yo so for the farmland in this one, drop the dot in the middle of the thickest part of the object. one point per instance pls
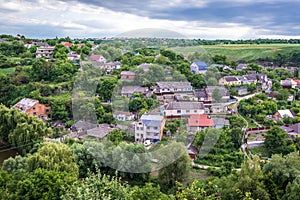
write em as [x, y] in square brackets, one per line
[240, 52]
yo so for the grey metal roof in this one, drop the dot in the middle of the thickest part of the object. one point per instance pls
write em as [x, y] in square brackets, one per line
[178, 85]
[222, 90]
[184, 105]
[25, 104]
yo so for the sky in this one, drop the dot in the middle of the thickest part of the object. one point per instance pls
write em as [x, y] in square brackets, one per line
[204, 19]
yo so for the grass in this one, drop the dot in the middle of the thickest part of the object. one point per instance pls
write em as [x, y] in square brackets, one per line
[196, 174]
[7, 70]
[260, 151]
[243, 52]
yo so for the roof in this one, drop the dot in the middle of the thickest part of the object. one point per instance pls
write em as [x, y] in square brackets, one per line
[200, 94]
[84, 125]
[222, 91]
[122, 113]
[296, 80]
[200, 120]
[201, 65]
[152, 120]
[100, 131]
[295, 128]
[177, 85]
[145, 66]
[191, 149]
[221, 121]
[95, 57]
[25, 104]
[127, 73]
[251, 77]
[231, 78]
[48, 48]
[242, 66]
[240, 89]
[131, 89]
[184, 105]
[285, 113]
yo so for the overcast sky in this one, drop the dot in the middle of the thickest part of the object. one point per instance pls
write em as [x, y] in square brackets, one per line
[207, 19]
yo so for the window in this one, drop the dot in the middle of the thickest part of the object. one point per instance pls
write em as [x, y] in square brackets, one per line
[137, 128]
[142, 128]
[33, 108]
[187, 111]
[47, 110]
[155, 128]
[34, 113]
[195, 111]
[178, 111]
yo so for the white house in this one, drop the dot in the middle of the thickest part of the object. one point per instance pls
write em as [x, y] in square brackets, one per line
[180, 109]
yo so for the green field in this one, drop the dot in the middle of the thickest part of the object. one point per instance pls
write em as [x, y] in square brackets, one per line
[240, 52]
[7, 70]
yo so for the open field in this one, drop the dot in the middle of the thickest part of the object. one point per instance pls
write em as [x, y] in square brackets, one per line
[7, 70]
[242, 52]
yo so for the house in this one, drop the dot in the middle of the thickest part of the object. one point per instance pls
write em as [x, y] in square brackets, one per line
[198, 67]
[192, 151]
[127, 75]
[46, 52]
[281, 114]
[180, 109]
[98, 58]
[201, 95]
[74, 57]
[67, 44]
[292, 130]
[199, 122]
[241, 91]
[230, 80]
[82, 126]
[290, 83]
[185, 97]
[222, 92]
[219, 123]
[101, 131]
[123, 116]
[129, 90]
[218, 108]
[248, 79]
[173, 87]
[149, 127]
[33, 108]
[241, 66]
[144, 66]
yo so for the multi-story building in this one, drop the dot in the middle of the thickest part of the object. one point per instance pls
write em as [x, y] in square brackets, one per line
[149, 127]
[46, 52]
[33, 108]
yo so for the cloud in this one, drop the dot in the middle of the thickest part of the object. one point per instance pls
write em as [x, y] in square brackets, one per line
[210, 19]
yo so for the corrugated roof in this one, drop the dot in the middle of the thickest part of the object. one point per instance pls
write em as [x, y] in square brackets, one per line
[25, 104]
[184, 105]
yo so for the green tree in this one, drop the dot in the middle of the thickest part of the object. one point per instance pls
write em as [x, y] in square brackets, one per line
[116, 136]
[276, 141]
[97, 186]
[54, 156]
[13, 164]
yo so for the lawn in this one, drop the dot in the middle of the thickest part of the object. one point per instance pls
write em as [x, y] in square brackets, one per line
[244, 52]
[7, 70]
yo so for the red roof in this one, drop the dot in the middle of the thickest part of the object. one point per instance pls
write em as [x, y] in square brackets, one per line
[95, 57]
[200, 120]
[296, 80]
[66, 44]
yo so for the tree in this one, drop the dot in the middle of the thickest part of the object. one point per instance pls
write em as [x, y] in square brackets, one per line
[97, 186]
[176, 170]
[148, 192]
[276, 141]
[292, 190]
[216, 96]
[13, 164]
[59, 110]
[53, 156]
[283, 94]
[251, 87]
[197, 81]
[106, 88]
[116, 136]
[280, 171]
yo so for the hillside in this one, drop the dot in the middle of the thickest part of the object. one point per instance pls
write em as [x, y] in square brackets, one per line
[240, 52]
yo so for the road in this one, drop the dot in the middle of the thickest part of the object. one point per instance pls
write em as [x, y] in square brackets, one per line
[235, 107]
[205, 167]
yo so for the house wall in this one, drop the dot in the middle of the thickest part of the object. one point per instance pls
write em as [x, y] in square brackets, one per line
[143, 132]
[128, 77]
[39, 110]
[169, 113]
